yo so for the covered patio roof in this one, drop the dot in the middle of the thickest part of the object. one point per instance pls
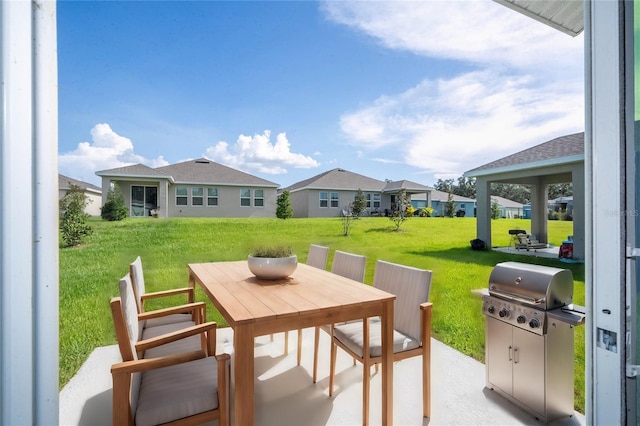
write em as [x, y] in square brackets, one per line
[559, 160]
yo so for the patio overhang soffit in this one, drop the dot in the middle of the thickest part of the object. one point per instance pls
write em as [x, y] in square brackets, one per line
[564, 15]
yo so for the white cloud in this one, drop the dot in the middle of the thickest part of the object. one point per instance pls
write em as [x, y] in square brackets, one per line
[450, 126]
[525, 85]
[257, 154]
[478, 31]
[107, 150]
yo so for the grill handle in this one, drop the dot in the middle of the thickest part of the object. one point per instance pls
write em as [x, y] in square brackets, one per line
[518, 298]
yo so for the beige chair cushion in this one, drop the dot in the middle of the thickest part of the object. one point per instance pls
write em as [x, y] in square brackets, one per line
[351, 335]
[169, 319]
[178, 391]
[188, 344]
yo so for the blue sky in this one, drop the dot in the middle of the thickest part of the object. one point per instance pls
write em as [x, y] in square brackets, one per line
[287, 90]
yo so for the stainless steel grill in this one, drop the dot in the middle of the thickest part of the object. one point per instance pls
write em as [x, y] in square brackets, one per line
[529, 351]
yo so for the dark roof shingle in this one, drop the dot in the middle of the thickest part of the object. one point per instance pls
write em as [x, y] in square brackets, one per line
[564, 146]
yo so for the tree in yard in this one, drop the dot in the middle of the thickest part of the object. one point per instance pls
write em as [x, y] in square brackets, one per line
[73, 221]
[284, 210]
[399, 210]
[495, 209]
[114, 208]
[450, 206]
[359, 204]
[347, 216]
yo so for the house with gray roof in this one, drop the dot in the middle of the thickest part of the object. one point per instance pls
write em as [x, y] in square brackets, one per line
[195, 188]
[92, 193]
[463, 206]
[331, 192]
[559, 160]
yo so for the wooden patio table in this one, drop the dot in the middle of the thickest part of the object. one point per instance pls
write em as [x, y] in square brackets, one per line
[309, 297]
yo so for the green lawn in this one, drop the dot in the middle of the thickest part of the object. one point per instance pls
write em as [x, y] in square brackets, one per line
[89, 274]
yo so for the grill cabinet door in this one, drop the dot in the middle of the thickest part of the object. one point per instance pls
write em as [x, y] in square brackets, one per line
[529, 369]
[499, 356]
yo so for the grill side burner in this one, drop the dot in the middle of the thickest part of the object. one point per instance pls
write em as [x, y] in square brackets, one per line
[529, 353]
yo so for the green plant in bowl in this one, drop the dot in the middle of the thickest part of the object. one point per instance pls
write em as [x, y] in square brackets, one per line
[272, 262]
[272, 251]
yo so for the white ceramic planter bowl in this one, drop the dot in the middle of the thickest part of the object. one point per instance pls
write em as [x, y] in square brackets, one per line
[273, 268]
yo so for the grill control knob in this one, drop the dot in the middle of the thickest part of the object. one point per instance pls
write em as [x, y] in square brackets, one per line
[534, 323]
[521, 319]
[504, 313]
[491, 309]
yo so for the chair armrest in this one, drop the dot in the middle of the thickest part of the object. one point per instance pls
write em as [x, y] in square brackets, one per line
[182, 309]
[167, 293]
[208, 328]
[426, 305]
[146, 364]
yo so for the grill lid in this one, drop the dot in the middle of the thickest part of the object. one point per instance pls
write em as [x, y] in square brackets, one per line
[541, 287]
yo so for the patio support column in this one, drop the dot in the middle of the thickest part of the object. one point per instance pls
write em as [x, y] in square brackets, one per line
[483, 221]
[577, 176]
[28, 214]
[539, 211]
[163, 198]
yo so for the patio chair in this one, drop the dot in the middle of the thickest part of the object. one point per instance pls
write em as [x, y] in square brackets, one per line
[514, 236]
[350, 266]
[412, 329]
[139, 325]
[317, 258]
[526, 242]
[137, 278]
[190, 386]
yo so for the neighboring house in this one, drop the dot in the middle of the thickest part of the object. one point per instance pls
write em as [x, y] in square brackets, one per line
[463, 206]
[195, 188]
[508, 209]
[331, 192]
[561, 204]
[92, 192]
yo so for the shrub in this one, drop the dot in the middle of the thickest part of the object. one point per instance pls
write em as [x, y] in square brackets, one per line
[114, 208]
[359, 204]
[399, 211]
[284, 210]
[73, 222]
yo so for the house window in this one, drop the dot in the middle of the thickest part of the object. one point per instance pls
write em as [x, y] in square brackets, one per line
[197, 196]
[376, 201]
[258, 198]
[334, 199]
[368, 197]
[181, 196]
[324, 199]
[212, 196]
[245, 197]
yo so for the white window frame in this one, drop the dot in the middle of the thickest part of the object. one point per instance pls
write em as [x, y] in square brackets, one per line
[181, 196]
[334, 202]
[194, 196]
[258, 200]
[323, 196]
[212, 200]
[244, 197]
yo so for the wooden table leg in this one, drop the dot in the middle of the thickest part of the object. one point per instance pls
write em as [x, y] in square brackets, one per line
[387, 363]
[192, 284]
[243, 374]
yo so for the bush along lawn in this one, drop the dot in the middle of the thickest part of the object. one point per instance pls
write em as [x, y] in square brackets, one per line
[89, 273]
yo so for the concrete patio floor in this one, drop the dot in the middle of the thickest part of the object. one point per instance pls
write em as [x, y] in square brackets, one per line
[285, 394]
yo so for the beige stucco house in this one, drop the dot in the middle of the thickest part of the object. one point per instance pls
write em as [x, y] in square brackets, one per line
[92, 192]
[331, 192]
[195, 188]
